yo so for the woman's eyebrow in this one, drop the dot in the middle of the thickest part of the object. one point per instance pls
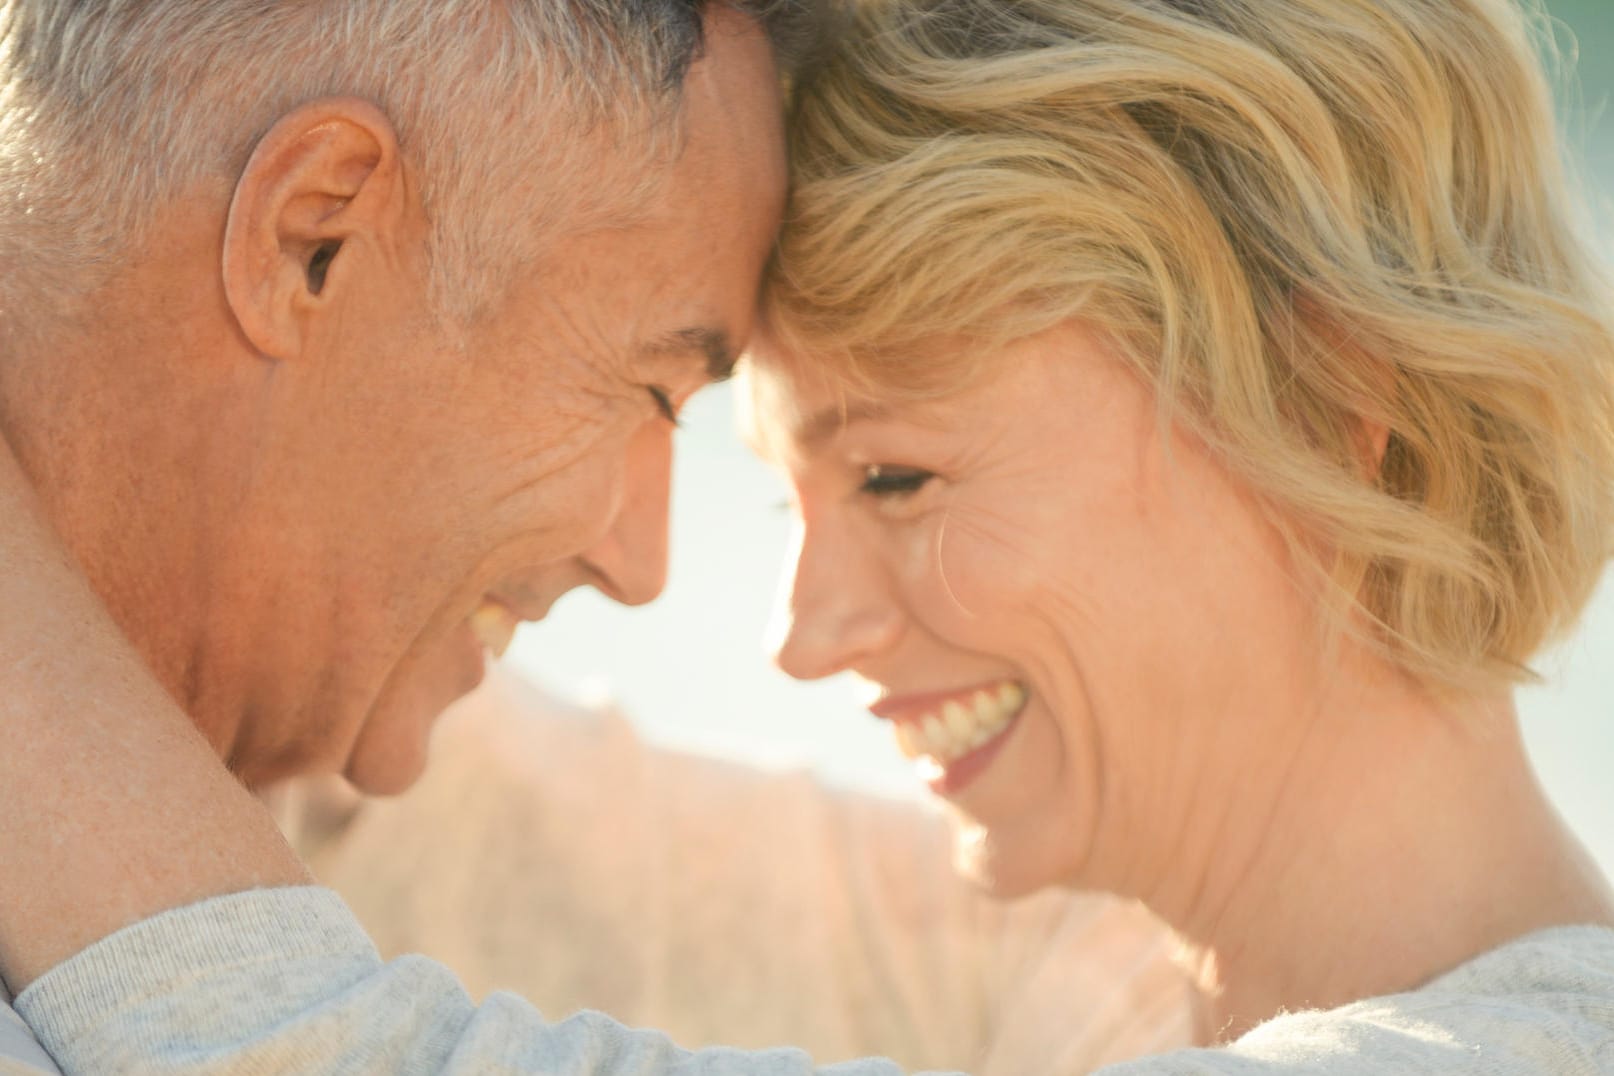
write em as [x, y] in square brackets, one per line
[811, 433]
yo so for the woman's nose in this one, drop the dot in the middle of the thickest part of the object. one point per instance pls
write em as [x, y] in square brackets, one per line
[835, 607]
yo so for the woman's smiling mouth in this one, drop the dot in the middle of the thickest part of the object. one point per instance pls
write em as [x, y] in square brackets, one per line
[951, 736]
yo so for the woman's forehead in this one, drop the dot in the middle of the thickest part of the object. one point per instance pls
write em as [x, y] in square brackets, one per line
[785, 404]
[793, 407]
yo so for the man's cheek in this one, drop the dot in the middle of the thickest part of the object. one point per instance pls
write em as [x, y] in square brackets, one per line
[563, 505]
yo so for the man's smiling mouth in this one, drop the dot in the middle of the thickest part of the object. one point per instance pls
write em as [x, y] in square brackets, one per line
[494, 625]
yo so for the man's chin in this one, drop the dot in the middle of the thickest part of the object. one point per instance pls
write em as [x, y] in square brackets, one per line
[391, 777]
[393, 746]
[389, 752]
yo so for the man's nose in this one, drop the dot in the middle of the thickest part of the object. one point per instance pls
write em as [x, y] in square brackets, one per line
[835, 606]
[629, 564]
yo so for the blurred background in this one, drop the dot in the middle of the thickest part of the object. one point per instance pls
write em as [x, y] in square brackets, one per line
[690, 670]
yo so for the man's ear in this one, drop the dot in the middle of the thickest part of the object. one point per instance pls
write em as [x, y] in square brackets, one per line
[324, 179]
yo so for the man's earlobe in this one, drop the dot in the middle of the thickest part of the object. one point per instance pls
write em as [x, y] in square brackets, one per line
[326, 176]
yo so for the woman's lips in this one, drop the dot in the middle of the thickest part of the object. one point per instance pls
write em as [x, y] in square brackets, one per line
[951, 736]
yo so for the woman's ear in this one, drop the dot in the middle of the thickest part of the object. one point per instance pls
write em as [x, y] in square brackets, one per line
[1375, 441]
[324, 179]
[1366, 377]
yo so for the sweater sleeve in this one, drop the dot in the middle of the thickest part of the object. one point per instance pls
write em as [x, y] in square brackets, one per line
[729, 904]
[20, 1052]
[285, 980]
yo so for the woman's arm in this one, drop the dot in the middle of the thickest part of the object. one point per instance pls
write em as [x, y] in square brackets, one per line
[118, 809]
[285, 980]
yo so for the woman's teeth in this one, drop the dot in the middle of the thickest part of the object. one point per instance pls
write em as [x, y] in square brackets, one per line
[495, 625]
[960, 726]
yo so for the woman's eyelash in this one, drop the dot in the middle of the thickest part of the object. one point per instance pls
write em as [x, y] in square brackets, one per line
[881, 481]
[664, 404]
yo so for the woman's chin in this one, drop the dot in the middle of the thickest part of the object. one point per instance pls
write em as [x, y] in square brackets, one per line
[1000, 866]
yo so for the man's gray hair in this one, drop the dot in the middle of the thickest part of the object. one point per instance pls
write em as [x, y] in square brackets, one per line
[112, 108]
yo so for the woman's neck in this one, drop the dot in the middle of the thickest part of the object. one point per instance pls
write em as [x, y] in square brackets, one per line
[1407, 837]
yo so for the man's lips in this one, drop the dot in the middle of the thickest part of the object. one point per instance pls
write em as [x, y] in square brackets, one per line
[495, 620]
[526, 605]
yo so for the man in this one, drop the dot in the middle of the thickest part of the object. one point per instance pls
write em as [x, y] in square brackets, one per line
[353, 334]
[339, 337]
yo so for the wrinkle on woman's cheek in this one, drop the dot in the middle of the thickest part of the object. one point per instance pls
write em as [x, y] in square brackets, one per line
[978, 556]
[916, 562]
[992, 567]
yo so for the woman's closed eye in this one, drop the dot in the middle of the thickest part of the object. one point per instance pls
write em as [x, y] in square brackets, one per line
[880, 480]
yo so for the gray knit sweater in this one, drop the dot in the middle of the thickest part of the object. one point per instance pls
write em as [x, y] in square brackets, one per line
[285, 980]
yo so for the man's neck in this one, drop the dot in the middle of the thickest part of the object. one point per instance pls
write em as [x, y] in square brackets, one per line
[79, 417]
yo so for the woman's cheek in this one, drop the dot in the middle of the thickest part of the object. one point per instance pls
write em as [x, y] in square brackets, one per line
[971, 566]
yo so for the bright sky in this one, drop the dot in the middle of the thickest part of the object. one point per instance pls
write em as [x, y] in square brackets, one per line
[690, 670]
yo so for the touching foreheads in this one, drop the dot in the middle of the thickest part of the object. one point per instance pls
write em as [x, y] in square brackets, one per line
[110, 109]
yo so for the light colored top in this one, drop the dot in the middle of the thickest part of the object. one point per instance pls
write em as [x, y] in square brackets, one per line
[550, 852]
[285, 980]
[20, 1052]
[1540, 1006]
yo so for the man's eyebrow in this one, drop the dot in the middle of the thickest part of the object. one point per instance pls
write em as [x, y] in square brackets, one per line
[709, 343]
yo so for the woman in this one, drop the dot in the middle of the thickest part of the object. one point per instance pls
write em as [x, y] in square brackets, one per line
[1198, 412]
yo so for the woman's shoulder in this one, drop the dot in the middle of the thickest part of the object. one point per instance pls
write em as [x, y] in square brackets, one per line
[1563, 962]
[1540, 1004]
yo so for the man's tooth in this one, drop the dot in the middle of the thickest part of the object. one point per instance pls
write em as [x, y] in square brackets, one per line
[485, 622]
[494, 628]
[936, 737]
[982, 734]
[958, 723]
[509, 635]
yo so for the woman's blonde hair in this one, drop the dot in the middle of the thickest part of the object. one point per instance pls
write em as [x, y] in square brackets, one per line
[1300, 220]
